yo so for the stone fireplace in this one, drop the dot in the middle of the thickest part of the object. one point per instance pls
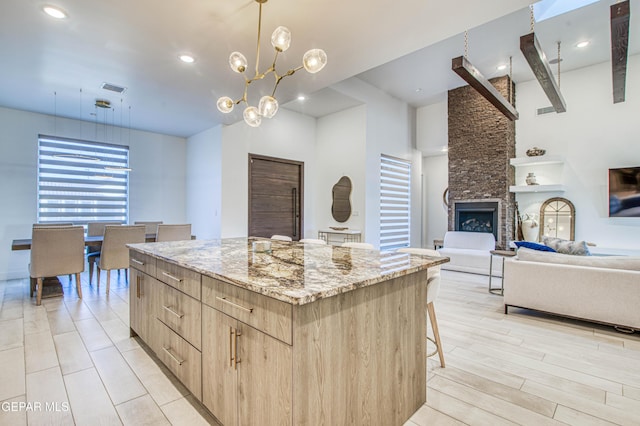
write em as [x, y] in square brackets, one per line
[481, 142]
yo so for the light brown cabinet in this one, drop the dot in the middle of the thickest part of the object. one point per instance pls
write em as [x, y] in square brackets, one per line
[141, 304]
[248, 374]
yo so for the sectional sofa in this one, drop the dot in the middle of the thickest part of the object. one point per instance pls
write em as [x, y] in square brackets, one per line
[603, 289]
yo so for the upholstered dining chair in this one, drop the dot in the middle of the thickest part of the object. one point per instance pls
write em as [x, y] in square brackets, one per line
[150, 227]
[354, 244]
[55, 250]
[313, 241]
[93, 230]
[50, 224]
[114, 253]
[281, 238]
[173, 232]
[433, 285]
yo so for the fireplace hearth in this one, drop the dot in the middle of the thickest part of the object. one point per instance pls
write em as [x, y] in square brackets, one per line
[477, 217]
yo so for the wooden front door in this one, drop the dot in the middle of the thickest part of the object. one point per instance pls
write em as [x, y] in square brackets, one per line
[275, 197]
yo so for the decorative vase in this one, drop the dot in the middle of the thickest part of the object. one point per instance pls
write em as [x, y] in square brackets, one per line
[530, 228]
[531, 179]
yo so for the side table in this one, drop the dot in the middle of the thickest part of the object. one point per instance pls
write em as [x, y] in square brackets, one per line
[438, 243]
[503, 254]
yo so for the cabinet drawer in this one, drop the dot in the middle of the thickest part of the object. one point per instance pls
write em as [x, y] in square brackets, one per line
[269, 315]
[142, 262]
[176, 276]
[183, 360]
[181, 313]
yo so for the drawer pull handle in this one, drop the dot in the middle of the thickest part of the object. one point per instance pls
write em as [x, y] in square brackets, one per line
[173, 357]
[235, 305]
[168, 308]
[166, 274]
[137, 262]
[231, 335]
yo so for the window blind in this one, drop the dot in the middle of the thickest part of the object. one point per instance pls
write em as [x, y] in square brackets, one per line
[81, 181]
[395, 202]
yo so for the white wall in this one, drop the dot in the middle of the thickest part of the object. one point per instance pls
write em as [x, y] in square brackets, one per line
[340, 151]
[436, 177]
[204, 183]
[390, 127]
[594, 135]
[289, 135]
[156, 184]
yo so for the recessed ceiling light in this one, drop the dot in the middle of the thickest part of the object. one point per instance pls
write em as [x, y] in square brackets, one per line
[582, 44]
[186, 58]
[502, 67]
[301, 98]
[54, 12]
[419, 89]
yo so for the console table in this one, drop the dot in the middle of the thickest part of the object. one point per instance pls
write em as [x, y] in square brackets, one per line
[343, 235]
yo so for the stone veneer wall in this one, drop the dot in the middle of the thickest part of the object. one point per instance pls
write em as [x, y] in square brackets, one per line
[481, 142]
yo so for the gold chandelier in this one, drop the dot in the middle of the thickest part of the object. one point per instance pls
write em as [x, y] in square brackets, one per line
[313, 61]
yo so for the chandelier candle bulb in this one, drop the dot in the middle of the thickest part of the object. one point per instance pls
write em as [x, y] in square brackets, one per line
[314, 60]
[237, 62]
[252, 116]
[281, 39]
[268, 106]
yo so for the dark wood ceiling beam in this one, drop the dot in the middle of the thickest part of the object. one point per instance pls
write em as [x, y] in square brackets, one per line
[620, 13]
[540, 66]
[471, 75]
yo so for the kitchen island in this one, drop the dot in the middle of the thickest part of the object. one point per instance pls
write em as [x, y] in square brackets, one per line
[303, 334]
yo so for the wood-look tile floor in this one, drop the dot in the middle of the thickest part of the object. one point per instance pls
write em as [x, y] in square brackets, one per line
[71, 361]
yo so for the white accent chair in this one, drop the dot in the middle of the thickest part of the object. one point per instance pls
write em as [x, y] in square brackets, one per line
[433, 286]
[352, 244]
[114, 253]
[55, 250]
[281, 238]
[173, 232]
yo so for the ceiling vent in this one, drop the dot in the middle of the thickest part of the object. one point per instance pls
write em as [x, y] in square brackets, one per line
[545, 110]
[113, 87]
[103, 103]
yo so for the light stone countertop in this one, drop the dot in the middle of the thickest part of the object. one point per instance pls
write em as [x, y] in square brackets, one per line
[295, 273]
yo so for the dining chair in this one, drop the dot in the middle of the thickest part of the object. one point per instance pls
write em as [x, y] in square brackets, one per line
[114, 253]
[433, 285]
[173, 232]
[313, 241]
[95, 229]
[353, 244]
[281, 238]
[50, 224]
[150, 227]
[55, 250]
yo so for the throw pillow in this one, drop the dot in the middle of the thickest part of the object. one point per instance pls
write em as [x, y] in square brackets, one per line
[576, 248]
[534, 246]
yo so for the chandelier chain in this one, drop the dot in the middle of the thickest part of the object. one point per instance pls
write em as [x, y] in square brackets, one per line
[558, 65]
[532, 17]
[466, 44]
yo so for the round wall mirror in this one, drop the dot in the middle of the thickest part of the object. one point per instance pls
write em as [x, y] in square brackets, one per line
[557, 219]
[341, 200]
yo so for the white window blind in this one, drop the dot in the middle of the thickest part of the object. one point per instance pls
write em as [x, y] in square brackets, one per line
[395, 202]
[80, 181]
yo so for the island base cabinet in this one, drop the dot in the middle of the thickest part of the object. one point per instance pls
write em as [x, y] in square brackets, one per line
[182, 359]
[248, 376]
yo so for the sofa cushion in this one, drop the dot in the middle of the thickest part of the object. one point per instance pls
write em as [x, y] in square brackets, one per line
[576, 248]
[469, 240]
[533, 246]
[630, 263]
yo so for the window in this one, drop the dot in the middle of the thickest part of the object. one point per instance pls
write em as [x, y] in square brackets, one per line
[395, 202]
[81, 181]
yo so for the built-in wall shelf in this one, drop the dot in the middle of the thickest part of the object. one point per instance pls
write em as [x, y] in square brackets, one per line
[541, 160]
[537, 188]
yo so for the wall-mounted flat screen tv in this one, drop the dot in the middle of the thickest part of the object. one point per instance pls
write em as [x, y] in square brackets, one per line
[624, 192]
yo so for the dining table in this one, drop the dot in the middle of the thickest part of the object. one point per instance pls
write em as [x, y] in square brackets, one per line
[89, 241]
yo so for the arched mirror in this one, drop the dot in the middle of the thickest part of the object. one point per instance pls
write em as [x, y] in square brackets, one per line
[557, 219]
[341, 200]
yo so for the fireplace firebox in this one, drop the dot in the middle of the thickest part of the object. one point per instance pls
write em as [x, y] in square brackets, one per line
[477, 217]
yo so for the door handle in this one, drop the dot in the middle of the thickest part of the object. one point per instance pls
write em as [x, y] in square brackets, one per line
[295, 211]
